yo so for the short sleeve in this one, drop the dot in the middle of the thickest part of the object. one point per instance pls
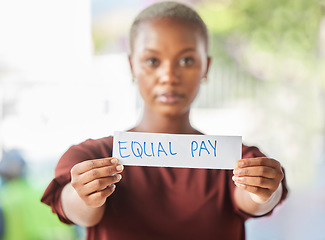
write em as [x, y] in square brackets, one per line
[252, 152]
[90, 149]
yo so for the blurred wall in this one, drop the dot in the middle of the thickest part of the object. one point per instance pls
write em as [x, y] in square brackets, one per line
[64, 77]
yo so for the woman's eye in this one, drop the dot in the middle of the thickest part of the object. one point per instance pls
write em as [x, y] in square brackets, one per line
[152, 62]
[186, 62]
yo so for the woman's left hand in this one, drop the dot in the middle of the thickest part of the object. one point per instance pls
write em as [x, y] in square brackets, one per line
[259, 176]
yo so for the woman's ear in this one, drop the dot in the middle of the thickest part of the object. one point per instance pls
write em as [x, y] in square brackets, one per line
[131, 67]
[130, 62]
[208, 66]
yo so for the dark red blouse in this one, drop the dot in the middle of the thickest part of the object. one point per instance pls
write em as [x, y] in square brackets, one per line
[159, 202]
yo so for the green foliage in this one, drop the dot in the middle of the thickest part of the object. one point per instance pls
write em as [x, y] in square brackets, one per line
[279, 44]
[291, 26]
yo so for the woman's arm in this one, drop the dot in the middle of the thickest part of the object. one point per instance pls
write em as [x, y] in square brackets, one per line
[258, 182]
[83, 200]
[77, 211]
[251, 204]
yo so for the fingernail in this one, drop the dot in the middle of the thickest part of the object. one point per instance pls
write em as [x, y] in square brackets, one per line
[114, 161]
[112, 186]
[118, 176]
[119, 167]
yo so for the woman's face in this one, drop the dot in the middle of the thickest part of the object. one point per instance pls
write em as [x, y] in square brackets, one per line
[168, 61]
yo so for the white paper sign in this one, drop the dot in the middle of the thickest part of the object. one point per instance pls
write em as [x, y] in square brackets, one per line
[177, 150]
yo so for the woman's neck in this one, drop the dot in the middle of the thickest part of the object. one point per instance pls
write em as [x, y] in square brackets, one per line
[155, 123]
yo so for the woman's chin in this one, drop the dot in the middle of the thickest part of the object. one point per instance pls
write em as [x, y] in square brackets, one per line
[172, 110]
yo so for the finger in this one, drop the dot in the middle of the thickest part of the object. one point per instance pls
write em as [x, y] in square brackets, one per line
[259, 171]
[100, 184]
[98, 198]
[85, 166]
[255, 182]
[98, 173]
[261, 192]
[263, 161]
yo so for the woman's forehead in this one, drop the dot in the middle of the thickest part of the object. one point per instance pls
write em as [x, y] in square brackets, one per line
[159, 31]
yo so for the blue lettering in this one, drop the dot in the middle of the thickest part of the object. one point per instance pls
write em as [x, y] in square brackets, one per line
[137, 148]
[193, 149]
[170, 149]
[203, 147]
[119, 148]
[161, 149]
[153, 153]
[215, 147]
[144, 149]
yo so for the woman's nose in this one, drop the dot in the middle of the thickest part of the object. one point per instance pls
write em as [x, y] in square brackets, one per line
[169, 74]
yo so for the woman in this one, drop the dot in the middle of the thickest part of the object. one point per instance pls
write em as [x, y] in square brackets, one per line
[169, 60]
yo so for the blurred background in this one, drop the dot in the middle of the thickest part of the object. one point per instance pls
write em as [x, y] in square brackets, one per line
[64, 78]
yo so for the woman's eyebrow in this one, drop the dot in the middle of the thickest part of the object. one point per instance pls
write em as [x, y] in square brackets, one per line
[151, 50]
[190, 49]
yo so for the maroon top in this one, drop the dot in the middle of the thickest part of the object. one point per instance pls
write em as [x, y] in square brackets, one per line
[158, 202]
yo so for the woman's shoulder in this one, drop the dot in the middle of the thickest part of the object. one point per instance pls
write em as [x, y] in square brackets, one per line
[91, 149]
[93, 143]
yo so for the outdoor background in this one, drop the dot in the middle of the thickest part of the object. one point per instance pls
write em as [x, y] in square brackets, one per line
[64, 78]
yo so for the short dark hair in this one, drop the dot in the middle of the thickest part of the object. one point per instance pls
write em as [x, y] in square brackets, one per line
[167, 9]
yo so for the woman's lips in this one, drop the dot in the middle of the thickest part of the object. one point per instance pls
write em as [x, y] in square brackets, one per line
[169, 98]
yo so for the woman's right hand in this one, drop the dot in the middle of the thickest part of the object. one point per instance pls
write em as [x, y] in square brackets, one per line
[94, 180]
